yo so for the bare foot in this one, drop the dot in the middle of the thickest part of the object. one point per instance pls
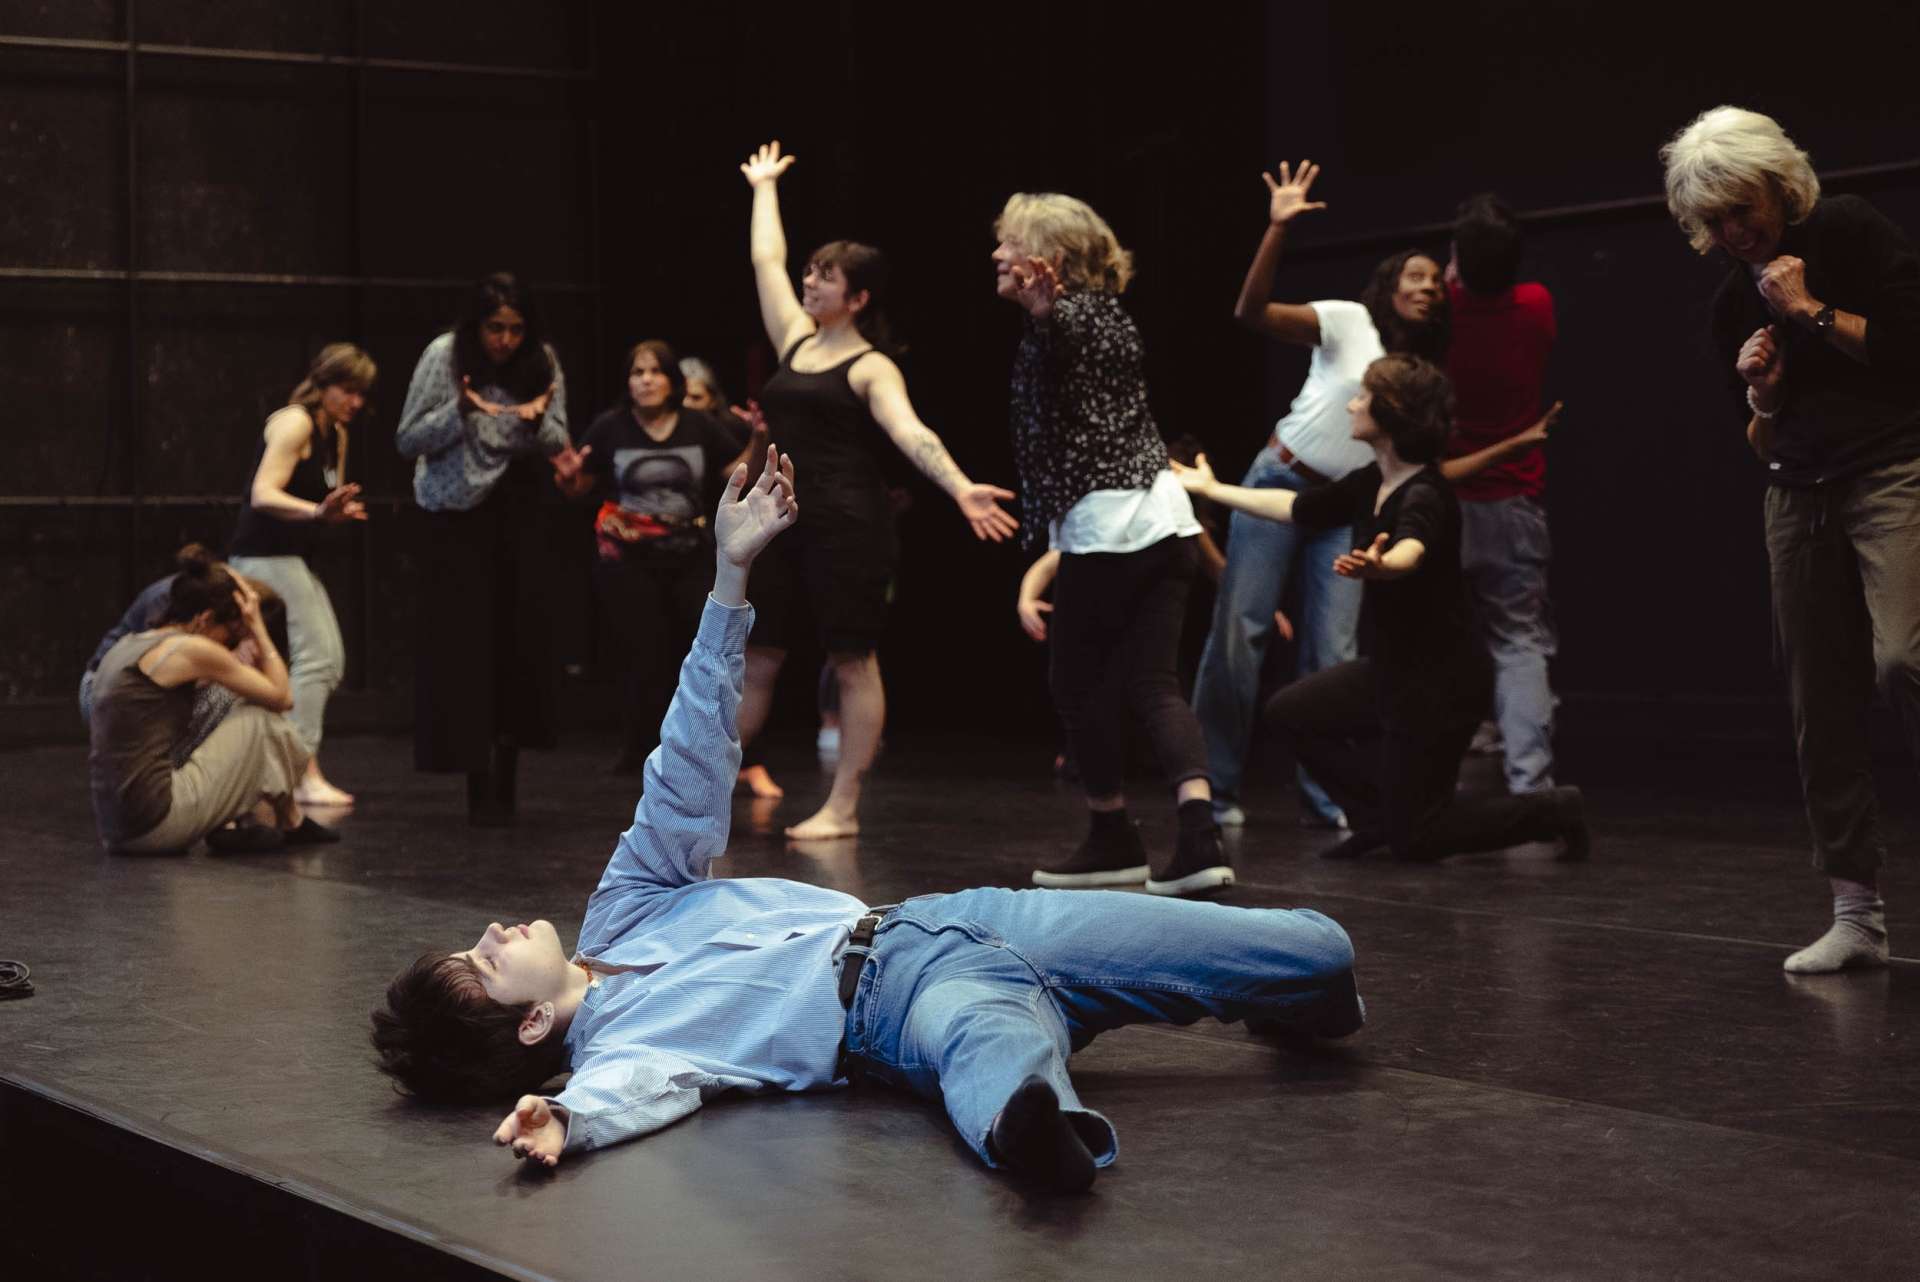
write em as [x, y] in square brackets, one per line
[825, 826]
[760, 783]
[314, 790]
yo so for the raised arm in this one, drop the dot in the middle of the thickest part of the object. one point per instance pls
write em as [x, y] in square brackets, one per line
[780, 309]
[1255, 308]
[878, 382]
[1272, 505]
[288, 432]
[681, 823]
[1457, 469]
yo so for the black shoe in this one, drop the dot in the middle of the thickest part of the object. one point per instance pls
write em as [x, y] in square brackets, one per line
[310, 833]
[1353, 845]
[1570, 814]
[1110, 856]
[245, 839]
[1198, 864]
[1034, 1140]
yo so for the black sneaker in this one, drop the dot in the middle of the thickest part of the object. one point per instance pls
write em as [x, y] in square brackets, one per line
[1034, 1140]
[245, 839]
[1117, 861]
[1198, 865]
[1570, 811]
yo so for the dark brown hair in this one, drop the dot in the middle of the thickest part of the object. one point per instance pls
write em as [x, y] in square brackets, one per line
[1428, 338]
[203, 583]
[443, 1040]
[529, 371]
[1412, 403]
[663, 353]
[861, 267]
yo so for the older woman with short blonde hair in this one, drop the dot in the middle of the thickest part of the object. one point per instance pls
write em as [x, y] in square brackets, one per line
[1095, 479]
[1816, 325]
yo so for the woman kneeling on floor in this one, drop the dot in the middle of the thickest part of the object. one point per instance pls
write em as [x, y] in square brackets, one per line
[236, 788]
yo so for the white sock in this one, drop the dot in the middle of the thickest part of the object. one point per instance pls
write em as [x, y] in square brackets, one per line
[1858, 936]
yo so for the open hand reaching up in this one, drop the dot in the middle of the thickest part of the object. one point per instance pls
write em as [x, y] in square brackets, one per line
[534, 1131]
[750, 516]
[766, 164]
[1287, 199]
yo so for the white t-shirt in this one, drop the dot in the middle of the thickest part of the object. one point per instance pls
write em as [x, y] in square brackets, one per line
[1317, 427]
[1127, 520]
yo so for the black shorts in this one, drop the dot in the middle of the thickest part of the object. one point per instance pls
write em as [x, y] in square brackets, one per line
[831, 565]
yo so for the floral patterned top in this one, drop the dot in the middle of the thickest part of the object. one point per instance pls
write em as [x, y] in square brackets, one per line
[462, 456]
[1079, 415]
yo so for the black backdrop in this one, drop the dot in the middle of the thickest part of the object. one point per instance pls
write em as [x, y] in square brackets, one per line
[615, 174]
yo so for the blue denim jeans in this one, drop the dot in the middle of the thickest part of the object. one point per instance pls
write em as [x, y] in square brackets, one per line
[967, 995]
[1261, 555]
[1504, 551]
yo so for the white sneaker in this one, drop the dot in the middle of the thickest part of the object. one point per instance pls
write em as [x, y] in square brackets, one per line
[1228, 814]
[827, 742]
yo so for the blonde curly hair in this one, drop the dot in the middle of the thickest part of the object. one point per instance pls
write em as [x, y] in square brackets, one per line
[1722, 158]
[1049, 225]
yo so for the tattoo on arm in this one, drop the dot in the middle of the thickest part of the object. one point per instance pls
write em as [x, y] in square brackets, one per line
[925, 451]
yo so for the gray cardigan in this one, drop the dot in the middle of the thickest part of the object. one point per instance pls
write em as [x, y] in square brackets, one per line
[462, 456]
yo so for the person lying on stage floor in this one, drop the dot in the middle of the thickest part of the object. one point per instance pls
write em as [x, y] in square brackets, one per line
[685, 985]
[1384, 734]
[235, 789]
[211, 703]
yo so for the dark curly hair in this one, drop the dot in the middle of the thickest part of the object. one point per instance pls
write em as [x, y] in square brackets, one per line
[1412, 403]
[443, 1040]
[1429, 338]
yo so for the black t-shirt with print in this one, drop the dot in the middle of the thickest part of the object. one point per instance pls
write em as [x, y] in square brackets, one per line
[676, 482]
[1415, 625]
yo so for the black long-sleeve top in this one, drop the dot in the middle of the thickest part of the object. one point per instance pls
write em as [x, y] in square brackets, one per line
[1840, 417]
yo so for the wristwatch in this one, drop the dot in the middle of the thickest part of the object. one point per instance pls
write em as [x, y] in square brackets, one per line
[1823, 319]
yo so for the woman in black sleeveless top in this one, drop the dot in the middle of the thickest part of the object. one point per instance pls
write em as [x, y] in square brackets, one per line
[833, 399]
[299, 483]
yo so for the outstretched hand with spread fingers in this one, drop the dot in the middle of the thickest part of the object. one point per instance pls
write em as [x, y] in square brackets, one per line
[1196, 478]
[1363, 563]
[341, 504]
[980, 504]
[766, 164]
[534, 1131]
[1287, 198]
[750, 516]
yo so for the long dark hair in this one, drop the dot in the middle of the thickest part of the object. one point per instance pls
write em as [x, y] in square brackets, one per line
[530, 372]
[1427, 338]
[203, 583]
[861, 267]
[663, 354]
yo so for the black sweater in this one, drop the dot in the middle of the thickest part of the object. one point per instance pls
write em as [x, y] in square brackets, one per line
[1840, 417]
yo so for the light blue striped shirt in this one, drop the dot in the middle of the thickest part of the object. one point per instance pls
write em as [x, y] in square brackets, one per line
[706, 984]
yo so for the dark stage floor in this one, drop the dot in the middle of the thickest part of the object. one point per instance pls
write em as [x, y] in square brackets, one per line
[1592, 1071]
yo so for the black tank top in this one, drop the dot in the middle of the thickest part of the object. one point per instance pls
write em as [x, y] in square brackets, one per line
[263, 534]
[835, 443]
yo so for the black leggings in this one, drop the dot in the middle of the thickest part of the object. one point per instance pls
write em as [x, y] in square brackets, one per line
[1116, 648]
[1391, 757]
[653, 604]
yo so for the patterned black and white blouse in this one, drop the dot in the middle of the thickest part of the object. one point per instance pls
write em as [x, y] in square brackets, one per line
[1080, 417]
[462, 456]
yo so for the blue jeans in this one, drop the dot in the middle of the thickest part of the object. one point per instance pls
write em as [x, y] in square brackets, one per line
[967, 995]
[1261, 555]
[1504, 551]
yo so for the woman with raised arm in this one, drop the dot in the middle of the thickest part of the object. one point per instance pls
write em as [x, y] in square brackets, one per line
[300, 484]
[144, 694]
[1094, 472]
[833, 401]
[486, 420]
[1384, 733]
[1402, 309]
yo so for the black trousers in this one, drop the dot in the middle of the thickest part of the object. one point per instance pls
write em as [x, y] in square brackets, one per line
[652, 605]
[483, 639]
[1116, 651]
[1389, 753]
